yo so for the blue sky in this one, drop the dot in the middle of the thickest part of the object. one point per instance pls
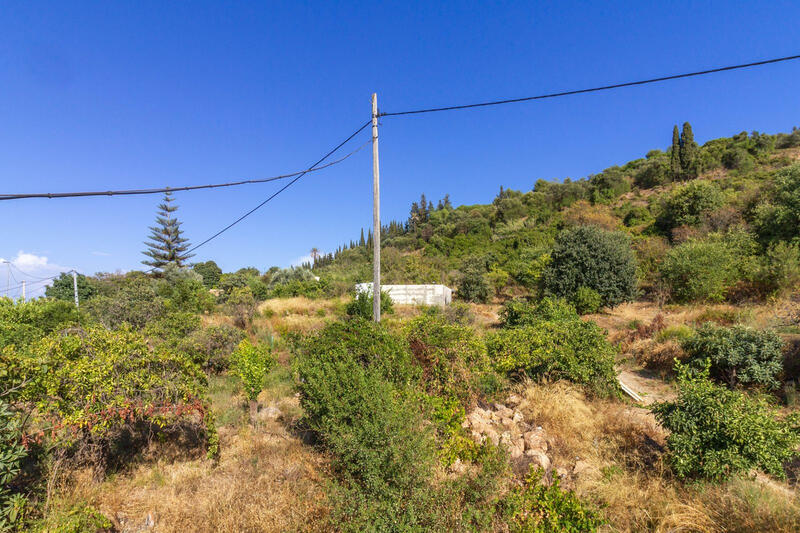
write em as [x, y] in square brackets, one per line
[146, 94]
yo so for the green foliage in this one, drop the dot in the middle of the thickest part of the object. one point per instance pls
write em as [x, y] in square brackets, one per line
[473, 286]
[699, 271]
[595, 259]
[779, 270]
[241, 305]
[452, 356]
[362, 304]
[210, 272]
[686, 205]
[608, 185]
[587, 300]
[12, 452]
[778, 216]
[130, 299]
[166, 244]
[183, 289]
[75, 518]
[97, 388]
[353, 381]
[23, 323]
[252, 363]
[536, 507]
[688, 152]
[210, 347]
[521, 313]
[558, 346]
[738, 355]
[717, 432]
[63, 288]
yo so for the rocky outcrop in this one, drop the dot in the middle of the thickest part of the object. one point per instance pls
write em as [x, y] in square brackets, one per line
[503, 425]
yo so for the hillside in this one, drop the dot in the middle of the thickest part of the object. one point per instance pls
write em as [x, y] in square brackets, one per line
[188, 399]
[728, 185]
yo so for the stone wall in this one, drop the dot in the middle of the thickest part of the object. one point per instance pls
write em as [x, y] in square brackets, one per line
[413, 294]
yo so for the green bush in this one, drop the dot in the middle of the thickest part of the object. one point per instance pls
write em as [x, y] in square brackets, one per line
[541, 508]
[211, 347]
[686, 205]
[716, 432]
[241, 305]
[473, 285]
[586, 300]
[778, 217]
[521, 313]
[362, 303]
[252, 363]
[593, 258]
[738, 355]
[452, 357]
[779, 270]
[210, 272]
[183, 290]
[23, 323]
[12, 452]
[63, 288]
[129, 300]
[699, 271]
[353, 385]
[561, 348]
[99, 389]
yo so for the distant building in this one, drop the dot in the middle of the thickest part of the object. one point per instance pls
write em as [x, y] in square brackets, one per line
[413, 294]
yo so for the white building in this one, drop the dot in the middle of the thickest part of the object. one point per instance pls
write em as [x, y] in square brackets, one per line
[413, 294]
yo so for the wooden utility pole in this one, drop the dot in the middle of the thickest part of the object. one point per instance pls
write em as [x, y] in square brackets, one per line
[376, 216]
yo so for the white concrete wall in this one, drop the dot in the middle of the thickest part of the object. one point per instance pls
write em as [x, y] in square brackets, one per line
[413, 294]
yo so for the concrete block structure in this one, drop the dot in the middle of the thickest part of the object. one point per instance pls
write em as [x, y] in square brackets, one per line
[413, 294]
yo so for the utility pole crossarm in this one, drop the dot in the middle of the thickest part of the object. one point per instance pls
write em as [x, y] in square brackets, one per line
[376, 216]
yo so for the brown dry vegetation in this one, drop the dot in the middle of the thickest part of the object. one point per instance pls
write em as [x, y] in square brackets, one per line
[266, 480]
[612, 454]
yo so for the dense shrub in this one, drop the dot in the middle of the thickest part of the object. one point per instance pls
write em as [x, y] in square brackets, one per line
[63, 288]
[23, 323]
[452, 356]
[779, 270]
[595, 259]
[252, 362]
[738, 355]
[778, 217]
[11, 454]
[547, 508]
[586, 300]
[241, 305]
[352, 381]
[362, 305]
[210, 347]
[698, 271]
[98, 389]
[473, 285]
[716, 432]
[127, 300]
[521, 313]
[552, 342]
[210, 272]
[687, 204]
[183, 290]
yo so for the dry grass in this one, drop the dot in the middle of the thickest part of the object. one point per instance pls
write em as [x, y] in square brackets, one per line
[266, 478]
[618, 452]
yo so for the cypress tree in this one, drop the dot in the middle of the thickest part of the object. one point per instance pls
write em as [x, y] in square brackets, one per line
[675, 155]
[166, 244]
[688, 152]
[362, 242]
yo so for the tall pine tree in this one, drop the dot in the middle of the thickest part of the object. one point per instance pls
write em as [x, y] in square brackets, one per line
[675, 155]
[165, 244]
[688, 152]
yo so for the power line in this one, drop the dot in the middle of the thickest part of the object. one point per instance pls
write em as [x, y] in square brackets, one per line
[169, 189]
[37, 278]
[259, 206]
[593, 89]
